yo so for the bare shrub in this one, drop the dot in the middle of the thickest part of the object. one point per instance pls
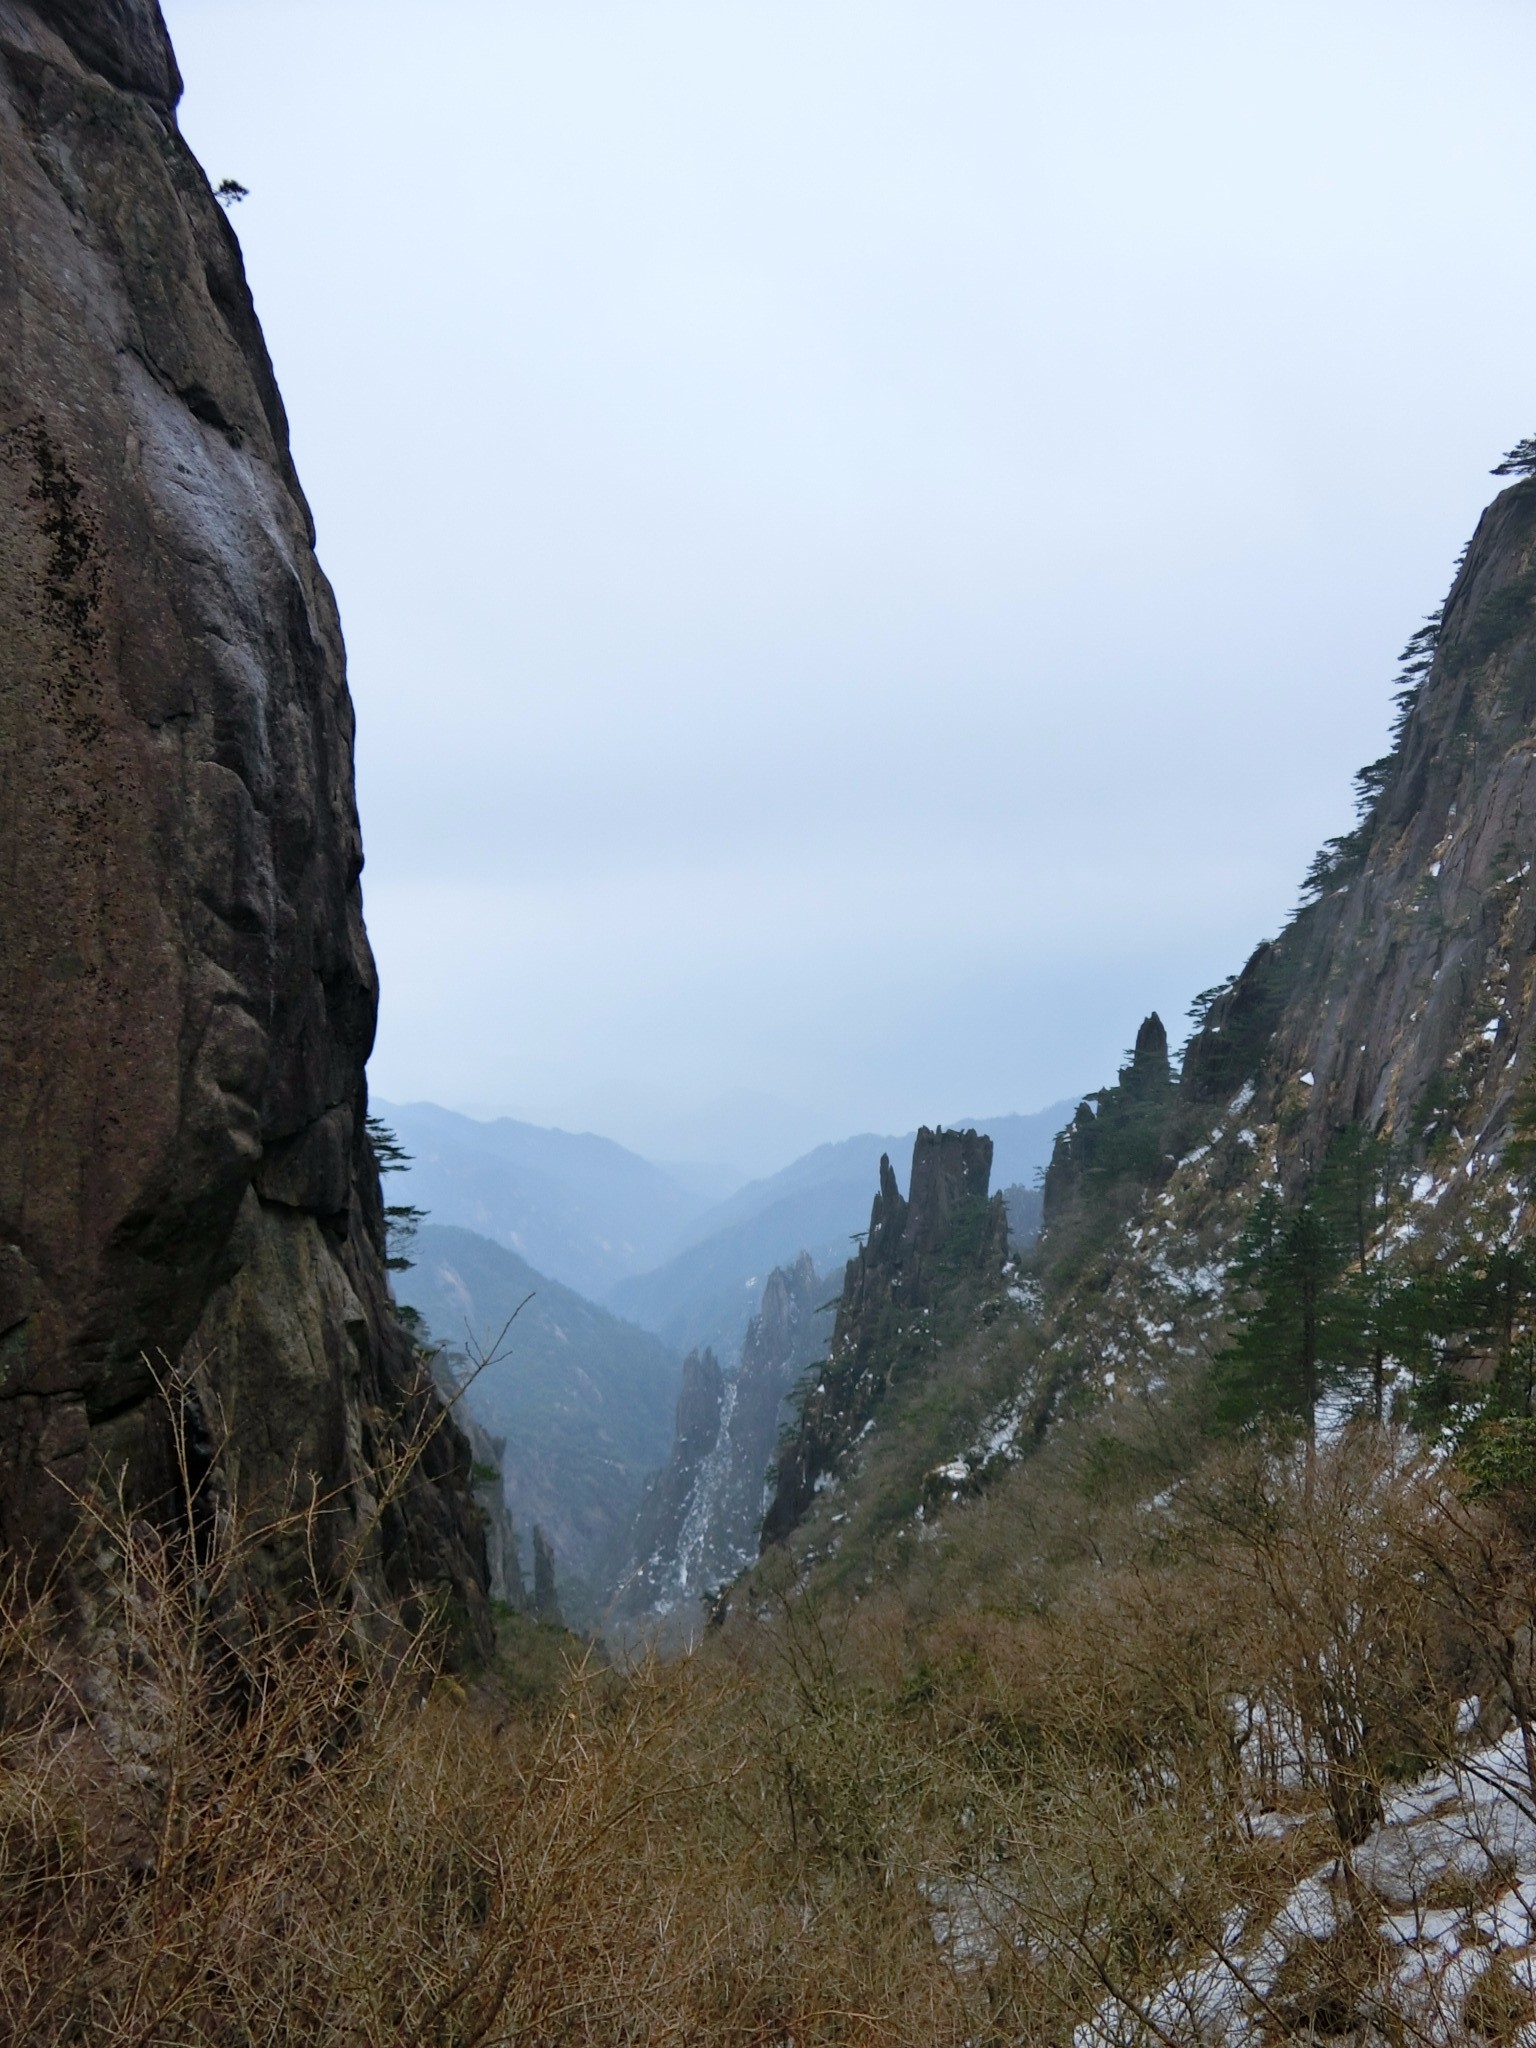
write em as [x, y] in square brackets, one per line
[889, 1821]
[225, 1821]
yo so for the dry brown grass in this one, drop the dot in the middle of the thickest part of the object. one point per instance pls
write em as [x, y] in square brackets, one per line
[226, 1823]
[221, 1822]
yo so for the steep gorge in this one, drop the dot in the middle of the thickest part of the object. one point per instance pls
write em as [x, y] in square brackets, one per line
[700, 1520]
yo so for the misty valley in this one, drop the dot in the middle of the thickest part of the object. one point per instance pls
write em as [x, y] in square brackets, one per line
[1060, 1576]
[583, 1393]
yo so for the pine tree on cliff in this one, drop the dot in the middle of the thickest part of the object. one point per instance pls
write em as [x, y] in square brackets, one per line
[402, 1220]
[1520, 461]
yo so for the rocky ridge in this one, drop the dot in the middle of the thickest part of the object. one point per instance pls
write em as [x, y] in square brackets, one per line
[187, 1000]
[1400, 999]
[948, 1235]
[1395, 1009]
[699, 1524]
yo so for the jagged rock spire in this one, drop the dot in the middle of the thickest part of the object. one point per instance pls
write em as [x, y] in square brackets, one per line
[546, 1597]
[947, 1237]
[699, 1402]
[1151, 1054]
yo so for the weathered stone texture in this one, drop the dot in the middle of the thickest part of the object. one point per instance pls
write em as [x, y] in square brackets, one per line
[947, 1240]
[187, 997]
[699, 1523]
[1404, 995]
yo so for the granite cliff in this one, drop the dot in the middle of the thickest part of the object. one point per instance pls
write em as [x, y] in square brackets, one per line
[698, 1525]
[187, 996]
[946, 1242]
[1399, 1002]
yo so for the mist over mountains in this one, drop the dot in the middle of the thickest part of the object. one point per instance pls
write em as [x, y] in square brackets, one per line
[577, 1207]
[581, 1400]
[614, 1268]
[639, 1238]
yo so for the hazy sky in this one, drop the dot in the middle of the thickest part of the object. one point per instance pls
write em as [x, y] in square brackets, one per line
[872, 537]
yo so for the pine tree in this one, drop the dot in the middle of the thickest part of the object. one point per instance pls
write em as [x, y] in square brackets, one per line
[1355, 1194]
[401, 1219]
[1289, 1263]
[1520, 461]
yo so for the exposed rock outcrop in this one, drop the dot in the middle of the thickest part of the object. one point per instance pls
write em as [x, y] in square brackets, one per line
[1407, 991]
[1401, 998]
[700, 1521]
[789, 1332]
[702, 1405]
[187, 996]
[504, 1560]
[546, 1594]
[948, 1236]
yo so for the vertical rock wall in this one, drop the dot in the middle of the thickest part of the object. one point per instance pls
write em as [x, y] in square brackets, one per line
[946, 1240]
[699, 1523]
[187, 997]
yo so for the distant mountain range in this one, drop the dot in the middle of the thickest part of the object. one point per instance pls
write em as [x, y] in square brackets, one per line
[633, 1235]
[578, 1208]
[584, 1401]
[709, 1290]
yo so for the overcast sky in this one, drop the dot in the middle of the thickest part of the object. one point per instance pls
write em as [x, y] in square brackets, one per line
[872, 537]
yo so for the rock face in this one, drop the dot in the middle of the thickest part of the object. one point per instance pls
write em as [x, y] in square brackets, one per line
[789, 1332]
[662, 1525]
[699, 1524]
[1402, 996]
[1407, 992]
[504, 1562]
[187, 996]
[949, 1234]
[546, 1597]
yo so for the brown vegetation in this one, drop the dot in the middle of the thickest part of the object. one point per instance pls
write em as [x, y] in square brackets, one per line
[221, 1822]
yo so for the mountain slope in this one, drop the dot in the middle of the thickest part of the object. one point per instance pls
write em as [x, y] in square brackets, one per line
[584, 1401]
[1397, 1009]
[1392, 1022]
[577, 1207]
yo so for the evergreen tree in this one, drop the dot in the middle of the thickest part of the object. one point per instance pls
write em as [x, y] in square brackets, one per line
[1491, 1298]
[1467, 1323]
[401, 1219]
[1284, 1351]
[1355, 1195]
[1520, 461]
